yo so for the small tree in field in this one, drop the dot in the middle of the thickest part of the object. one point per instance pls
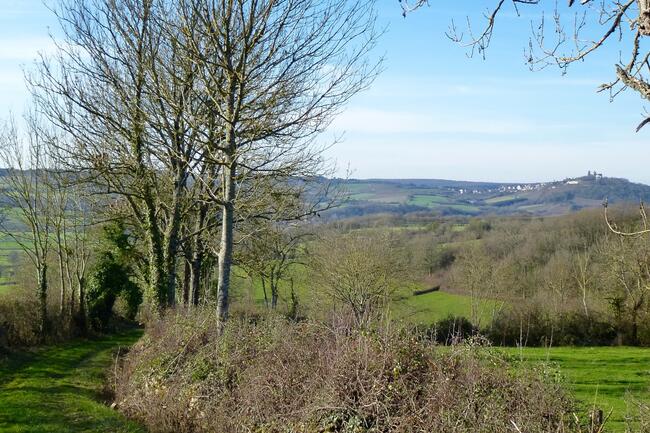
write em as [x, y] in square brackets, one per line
[360, 272]
[269, 254]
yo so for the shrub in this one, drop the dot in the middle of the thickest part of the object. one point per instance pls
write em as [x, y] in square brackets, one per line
[452, 329]
[534, 326]
[638, 419]
[19, 319]
[111, 278]
[272, 375]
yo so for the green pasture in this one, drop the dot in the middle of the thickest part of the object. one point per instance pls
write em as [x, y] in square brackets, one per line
[429, 200]
[466, 208]
[604, 377]
[9, 251]
[500, 199]
[607, 378]
[421, 309]
[533, 207]
[439, 202]
[432, 307]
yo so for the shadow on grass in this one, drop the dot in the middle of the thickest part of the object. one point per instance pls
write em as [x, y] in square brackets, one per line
[59, 389]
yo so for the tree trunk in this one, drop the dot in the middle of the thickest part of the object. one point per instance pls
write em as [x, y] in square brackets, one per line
[157, 281]
[72, 301]
[197, 265]
[274, 292]
[198, 253]
[266, 298]
[171, 258]
[61, 275]
[82, 303]
[187, 280]
[171, 238]
[226, 244]
[42, 297]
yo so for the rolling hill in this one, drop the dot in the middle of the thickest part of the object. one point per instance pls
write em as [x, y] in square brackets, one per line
[449, 197]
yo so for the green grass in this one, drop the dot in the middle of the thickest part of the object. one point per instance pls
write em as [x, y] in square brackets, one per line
[421, 309]
[500, 199]
[599, 376]
[467, 208]
[428, 200]
[431, 307]
[59, 389]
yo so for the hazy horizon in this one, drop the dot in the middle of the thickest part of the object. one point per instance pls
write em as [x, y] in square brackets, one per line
[485, 180]
[433, 113]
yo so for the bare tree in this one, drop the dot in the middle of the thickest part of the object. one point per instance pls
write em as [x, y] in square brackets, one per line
[28, 211]
[361, 272]
[476, 274]
[269, 253]
[273, 74]
[629, 260]
[121, 90]
[583, 275]
[161, 99]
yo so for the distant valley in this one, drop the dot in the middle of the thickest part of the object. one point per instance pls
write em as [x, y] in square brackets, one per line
[449, 197]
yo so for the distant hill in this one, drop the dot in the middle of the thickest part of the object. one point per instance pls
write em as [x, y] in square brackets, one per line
[450, 197]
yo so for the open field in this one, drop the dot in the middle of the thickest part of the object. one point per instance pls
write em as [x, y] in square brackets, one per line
[601, 377]
[429, 200]
[9, 253]
[59, 389]
[431, 307]
[421, 309]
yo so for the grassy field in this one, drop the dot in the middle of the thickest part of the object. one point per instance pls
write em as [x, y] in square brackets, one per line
[431, 307]
[59, 389]
[429, 200]
[9, 253]
[422, 309]
[601, 377]
[500, 199]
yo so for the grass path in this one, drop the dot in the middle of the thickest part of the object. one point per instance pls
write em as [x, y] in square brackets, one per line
[59, 389]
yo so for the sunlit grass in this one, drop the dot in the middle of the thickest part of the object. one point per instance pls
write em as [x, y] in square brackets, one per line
[600, 377]
[59, 389]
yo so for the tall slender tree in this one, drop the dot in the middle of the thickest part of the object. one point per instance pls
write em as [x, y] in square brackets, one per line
[273, 74]
[30, 207]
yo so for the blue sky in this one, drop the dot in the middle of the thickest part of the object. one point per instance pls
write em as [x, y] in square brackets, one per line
[434, 112]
